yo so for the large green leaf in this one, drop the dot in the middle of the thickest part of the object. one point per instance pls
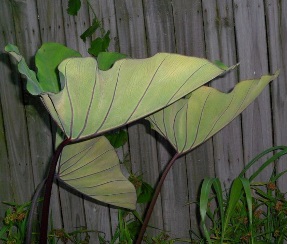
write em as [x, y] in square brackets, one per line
[47, 59]
[94, 101]
[33, 85]
[107, 59]
[192, 120]
[92, 168]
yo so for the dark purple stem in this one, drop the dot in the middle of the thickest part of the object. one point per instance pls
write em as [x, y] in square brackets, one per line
[155, 196]
[47, 194]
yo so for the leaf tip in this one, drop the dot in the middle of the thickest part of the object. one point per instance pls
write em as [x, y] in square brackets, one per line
[220, 65]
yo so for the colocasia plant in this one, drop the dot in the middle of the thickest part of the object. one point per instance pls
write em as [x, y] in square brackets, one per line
[88, 97]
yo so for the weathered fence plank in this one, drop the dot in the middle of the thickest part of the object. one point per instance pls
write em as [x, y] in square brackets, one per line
[52, 30]
[132, 41]
[220, 43]
[277, 42]
[6, 186]
[253, 58]
[189, 32]
[51, 23]
[188, 27]
[38, 121]
[5, 177]
[15, 119]
[105, 12]
[159, 16]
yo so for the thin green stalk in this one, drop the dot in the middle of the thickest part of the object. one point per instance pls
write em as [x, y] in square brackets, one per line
[155, 196]
[95, 16]
[90, 6]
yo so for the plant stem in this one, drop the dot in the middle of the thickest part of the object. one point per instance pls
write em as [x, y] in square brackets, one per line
[47, 194]
[32, 211]
[154, 198]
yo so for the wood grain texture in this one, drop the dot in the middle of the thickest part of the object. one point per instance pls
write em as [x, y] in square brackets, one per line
[6, 186]
[74, 26]
[73, 212]
[252, 54]
[97, 219]
[51, 22]
[52, 30]
[105, 12]
[132, 41]
[14, 116]
[5, 177]
[159, 26]
[188, 27]
[160, 31]
[131, 29]
[38, 120]
[190, 40]
[277, 43]
[220, 43]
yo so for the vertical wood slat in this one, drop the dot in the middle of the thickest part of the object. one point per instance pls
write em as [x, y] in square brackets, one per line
[38, 122]
[190, 40]
[277, 42]
[189, 32]
[174, 194]
[132, 41]
[7, 191]
[252, 54]
[52, 30]
[14, 118]
[105, 12]
[188, 27]
[220, 43]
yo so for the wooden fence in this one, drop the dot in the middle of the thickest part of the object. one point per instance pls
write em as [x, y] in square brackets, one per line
[253, 33]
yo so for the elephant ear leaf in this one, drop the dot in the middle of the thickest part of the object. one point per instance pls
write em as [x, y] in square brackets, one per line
[190, 121]
[94, 101]
[33, 85]
[47, 59]
[92, 168]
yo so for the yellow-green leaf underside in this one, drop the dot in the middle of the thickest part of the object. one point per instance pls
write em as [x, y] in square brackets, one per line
[94, 101]
[192, 120]
[92, 168]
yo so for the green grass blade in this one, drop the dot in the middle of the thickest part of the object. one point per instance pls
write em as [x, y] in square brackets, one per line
[203, 204]
[247, 189]
[219, 197]
[235, 194]
[264, 153]
[276, 177]
[269, 161]
[204, 201]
